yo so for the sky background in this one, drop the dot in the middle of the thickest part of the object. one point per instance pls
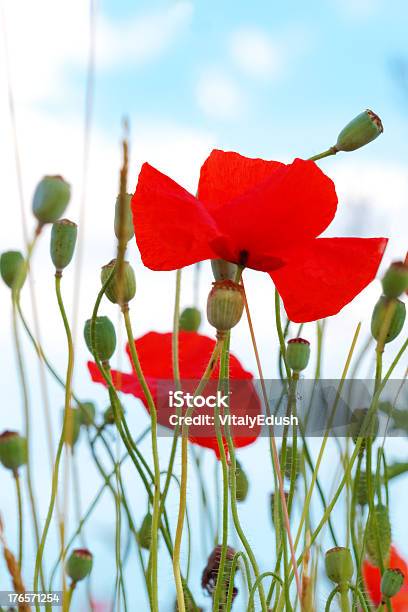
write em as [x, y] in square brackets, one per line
[272, 80]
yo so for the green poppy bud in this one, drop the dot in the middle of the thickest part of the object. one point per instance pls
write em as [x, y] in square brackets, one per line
[119, 290]
[297, 354]
[360, 131]
[13, 450]
[391, 582]
[105, 337]
[87, 412]
[363, 426]
[79, 564]
[289, 461]
[395, 281]
[225, 305]
[223, 270]
[109, 415]
[190, 319]
[12, 267]
[242, 484]
[51, 198]
[145, 532]
[378, 541]
[339, 565]
[63, 240]
[362, 490]
[378, 319]
[73, 427]
[127, 229]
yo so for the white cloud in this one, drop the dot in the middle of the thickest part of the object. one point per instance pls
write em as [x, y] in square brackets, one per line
[218, 95]
[255, 53]
[143, 38]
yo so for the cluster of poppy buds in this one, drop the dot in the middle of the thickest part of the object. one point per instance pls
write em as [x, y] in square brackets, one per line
[390, 311]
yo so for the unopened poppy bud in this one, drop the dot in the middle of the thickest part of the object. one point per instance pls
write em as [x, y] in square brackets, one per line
[122, 285]
[127, 224]
[79, 564]
[109, 415]
[145, 532]
[378, 319]
[190, 319]
[362, 489]
[223, 270]
[391, 582]
[242, 484]
[12, 268]
[378, 535]
[360, 131]
[87, 413]
[289, 462]
[210, 574]
[298, 354]
[13, 450]
[395, 281]
[105, 337]
[363, 425]
[339, 565]
[73, 427]
[225, 305]
[51, 198]
[63, 240]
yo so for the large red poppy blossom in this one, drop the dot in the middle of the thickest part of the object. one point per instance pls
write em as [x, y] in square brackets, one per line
[155, 354]
[261, 214]
[372, 580]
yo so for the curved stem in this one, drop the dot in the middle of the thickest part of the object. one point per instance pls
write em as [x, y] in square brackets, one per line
[183, 481]
[155, 451]
[327, 153]
[330, 599]
[258, 582]
[20, 519]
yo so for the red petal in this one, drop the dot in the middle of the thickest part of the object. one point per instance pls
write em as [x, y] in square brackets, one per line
[326, 274]
[372, 580]
[172, 227]
[225, 175]
[295, 202]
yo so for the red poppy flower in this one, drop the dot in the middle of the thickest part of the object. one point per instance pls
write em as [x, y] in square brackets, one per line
[372, 579]
[155, 354]
[261, 214]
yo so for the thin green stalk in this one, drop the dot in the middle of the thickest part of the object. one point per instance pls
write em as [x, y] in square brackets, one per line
[330, 599]
[327, 153]
[65, 427]
[257, 583]
[184, 475]
[156, 496]
[234, 566]
[20, 519]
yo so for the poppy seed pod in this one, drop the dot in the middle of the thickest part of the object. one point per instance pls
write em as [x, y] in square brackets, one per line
[63, 240]
[378, 319]
[109, 415]
[362, 425]
[105, 337]
[121, 288]
[127, 229]
[223, 270]
[242, 483]
[297, 354]
[13, 450]
[50, 199]
[378, 535]
[339, 565]
[225, 305]
[11, 267]
[190, 319]
[145, 532]
[87, 413]
[392, 581]
[79, 564]
[395, 280]
[360, 131]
